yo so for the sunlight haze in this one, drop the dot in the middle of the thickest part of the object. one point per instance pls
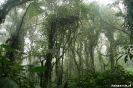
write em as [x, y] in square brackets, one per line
[101, 1]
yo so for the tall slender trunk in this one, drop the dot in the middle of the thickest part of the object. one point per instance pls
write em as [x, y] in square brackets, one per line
[111, 55]
[76, 62]
[92, 57]
[86, 51]
[59, 70]
[49, 60]
[49, 55]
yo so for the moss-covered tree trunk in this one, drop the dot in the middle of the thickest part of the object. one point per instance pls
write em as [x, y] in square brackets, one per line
[110, 37]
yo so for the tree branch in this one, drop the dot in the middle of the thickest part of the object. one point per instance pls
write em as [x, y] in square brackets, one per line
[8, 6]
[114, 26]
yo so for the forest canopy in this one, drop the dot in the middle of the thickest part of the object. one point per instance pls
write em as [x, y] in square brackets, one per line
[66, 44]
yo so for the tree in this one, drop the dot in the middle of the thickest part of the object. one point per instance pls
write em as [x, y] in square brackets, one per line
[129, 17]
[8, 6]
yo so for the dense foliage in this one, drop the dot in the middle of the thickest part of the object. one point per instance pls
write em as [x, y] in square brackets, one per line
[66, 44]
[102, 79]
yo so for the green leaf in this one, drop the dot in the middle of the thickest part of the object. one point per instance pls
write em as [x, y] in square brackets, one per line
[130, 56]
[18, 67]
[41, 3]
[8, 48]
[91, 81]
[6, 61]
[38, 69]
[29, 67]
[34, 10]
[119, 57]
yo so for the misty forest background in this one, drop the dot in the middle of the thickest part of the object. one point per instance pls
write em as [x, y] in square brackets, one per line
[66, 44]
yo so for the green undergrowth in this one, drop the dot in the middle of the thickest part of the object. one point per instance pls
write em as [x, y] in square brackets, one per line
[116, 76]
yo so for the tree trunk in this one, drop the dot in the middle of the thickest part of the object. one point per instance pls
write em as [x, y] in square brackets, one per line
[91, 52]
[110, 37]
[48, 60]
[49, 56]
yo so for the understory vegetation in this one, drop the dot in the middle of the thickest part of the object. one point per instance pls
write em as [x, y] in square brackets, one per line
[66, 44]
